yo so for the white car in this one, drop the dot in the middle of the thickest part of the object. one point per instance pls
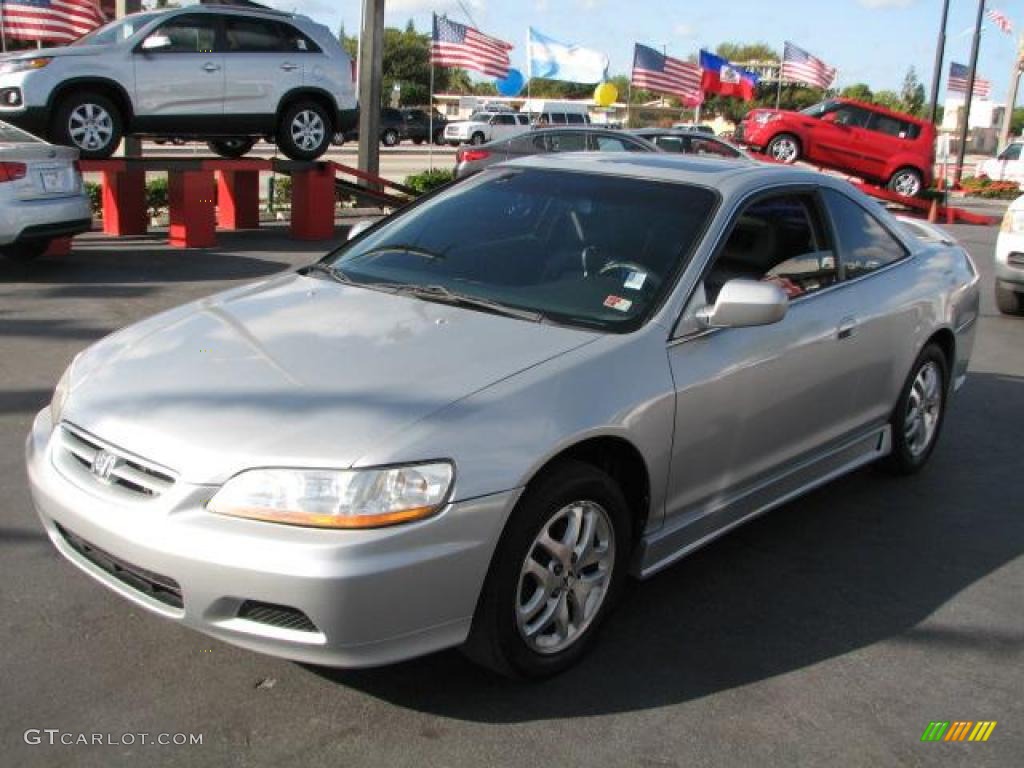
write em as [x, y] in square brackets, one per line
[41, 194]
[1010, 261]
[1006, 166]
[482, 127]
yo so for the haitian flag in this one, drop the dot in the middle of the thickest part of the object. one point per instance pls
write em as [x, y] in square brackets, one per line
[720, 76]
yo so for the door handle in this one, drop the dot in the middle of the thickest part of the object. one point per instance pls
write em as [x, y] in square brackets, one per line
[847, 328]
[211, 67]
[288, 66]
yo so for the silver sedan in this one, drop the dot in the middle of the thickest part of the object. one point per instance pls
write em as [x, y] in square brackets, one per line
[469, 424]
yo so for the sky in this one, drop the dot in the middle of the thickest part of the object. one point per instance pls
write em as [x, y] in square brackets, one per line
[871, 41]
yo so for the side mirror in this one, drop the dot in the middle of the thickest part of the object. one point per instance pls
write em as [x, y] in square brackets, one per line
[743, 303]
[156, 42]
[359, 227]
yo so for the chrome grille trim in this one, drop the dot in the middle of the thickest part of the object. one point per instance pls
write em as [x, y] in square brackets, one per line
[131, 477]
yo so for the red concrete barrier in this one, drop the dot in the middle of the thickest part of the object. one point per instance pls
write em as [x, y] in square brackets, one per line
[238, 199]
[192, 199]
[313, 203]
[124, 200]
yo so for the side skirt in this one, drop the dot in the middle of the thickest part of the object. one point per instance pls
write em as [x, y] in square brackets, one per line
[674, 543]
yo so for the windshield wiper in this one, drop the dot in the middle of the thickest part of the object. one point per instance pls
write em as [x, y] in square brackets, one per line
[403, 248]
[444, 295]
[340, 277]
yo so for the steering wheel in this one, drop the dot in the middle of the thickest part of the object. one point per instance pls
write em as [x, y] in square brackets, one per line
[650, 279]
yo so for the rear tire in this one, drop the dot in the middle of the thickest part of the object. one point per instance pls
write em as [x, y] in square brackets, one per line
[477, 139]
[907, 182]
[389, 138]
[89, 122]
[1009, 301]
[784, 148]
[234, 147]
[541, 605]
[917, 419]
[305, 131]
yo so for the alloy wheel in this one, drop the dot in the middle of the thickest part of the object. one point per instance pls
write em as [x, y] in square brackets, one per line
[906, 183]
[565, 577]
[90, 127]
[784, 150]
[924, 407]
[308, 130]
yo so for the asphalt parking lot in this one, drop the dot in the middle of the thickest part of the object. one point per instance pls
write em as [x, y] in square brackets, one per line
[829, 632]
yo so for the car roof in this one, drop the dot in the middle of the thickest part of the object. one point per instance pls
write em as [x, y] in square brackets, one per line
[671, 132]
[700, 170]
[242, 10]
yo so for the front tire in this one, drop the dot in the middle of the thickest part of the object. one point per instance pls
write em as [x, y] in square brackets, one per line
[389, 138]
[1008, 301]
[91, 123]
[917, 419]
[784, 148]
[305, 131]
[907, 182]
[477, 139]
[559, 567]
[232, 147]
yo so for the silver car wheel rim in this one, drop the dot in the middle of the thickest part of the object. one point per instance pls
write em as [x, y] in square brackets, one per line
[90, 127]
[308, 130]
[924, 406]
[907, 184]
[565, 577]
[784, 150]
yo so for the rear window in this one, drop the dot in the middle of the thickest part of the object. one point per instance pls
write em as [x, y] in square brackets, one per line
[591, 251]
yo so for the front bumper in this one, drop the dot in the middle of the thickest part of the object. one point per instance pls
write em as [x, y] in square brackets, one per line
[1009, 260]
[370, 597]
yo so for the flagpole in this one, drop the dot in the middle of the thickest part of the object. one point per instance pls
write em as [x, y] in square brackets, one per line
[1011, 98]
[430, 120]
[940, 50]
[778, 92]
[3, 32]
[968, 97]
[529, 73]
[629, 102]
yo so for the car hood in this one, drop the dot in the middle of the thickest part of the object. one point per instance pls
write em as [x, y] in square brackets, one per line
[293, 371]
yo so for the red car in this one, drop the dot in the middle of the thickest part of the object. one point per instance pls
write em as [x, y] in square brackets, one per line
[864, 140]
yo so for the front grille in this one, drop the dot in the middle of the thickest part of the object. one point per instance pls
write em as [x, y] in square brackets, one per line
[281, 616]
[79, 451]
[163, 589]
[1016, 259]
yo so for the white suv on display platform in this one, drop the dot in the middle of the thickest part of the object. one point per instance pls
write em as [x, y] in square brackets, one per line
[226, 75]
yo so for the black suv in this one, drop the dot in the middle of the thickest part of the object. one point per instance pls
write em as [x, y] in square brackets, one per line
[397, 125]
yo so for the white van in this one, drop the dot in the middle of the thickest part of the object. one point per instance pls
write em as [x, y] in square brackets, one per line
[556, 112]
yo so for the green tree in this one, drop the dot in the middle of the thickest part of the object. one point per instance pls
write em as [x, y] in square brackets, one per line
[889, 99]
[747, 52]
[858, 91]
[912, 93]
[1017, 121]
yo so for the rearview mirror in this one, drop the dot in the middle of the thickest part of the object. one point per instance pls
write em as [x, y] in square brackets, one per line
[156, 42]
[743, 303]
[359, 227]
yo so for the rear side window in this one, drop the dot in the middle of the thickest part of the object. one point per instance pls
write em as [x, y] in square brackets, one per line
[391, 114]
[892, 126]
[615, 144]
[557, 118]
[1012, 152]
[701, 146]
[864, 244]
[670, 143]
[244, 35]
[506, 120]
[295, 40]
[567, 142]
[575, 119]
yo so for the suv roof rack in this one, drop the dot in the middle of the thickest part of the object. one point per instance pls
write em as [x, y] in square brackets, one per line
[246, 5]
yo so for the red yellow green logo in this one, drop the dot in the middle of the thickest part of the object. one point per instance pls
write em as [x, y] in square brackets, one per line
[958, 730]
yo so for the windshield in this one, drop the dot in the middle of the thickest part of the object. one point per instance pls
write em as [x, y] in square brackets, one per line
[574, 248]
[821, 108]
[116, 31]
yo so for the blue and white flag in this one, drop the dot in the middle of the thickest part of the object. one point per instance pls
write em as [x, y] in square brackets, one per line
[553, 60]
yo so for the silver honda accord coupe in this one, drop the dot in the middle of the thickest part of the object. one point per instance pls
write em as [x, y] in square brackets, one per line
[473, 422]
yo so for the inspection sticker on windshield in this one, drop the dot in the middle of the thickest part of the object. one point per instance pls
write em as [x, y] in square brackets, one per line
[635, 281]
[619, 303]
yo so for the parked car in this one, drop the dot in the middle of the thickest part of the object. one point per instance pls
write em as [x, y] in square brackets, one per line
[223, 74]
[1010, 261]
[688, 142]
[41, 195]
[866, 140]
[694, 127]
[1006, 166]
[482, 127]
[542, 141]
[392, 129]
[424, 125]
[531, 384]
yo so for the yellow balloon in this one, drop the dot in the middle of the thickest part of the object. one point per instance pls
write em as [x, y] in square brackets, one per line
[605, 94]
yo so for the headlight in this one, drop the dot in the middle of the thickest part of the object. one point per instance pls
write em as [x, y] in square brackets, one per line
[325, 498]
[23, 65]
[766, 117]
[60, 395]
[1013, 221]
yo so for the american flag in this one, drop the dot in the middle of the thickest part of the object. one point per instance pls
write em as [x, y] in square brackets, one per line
[55, 21]
[800, 67]
[456, 45]
[1001, 20]
[658, 72]
[958, 82]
